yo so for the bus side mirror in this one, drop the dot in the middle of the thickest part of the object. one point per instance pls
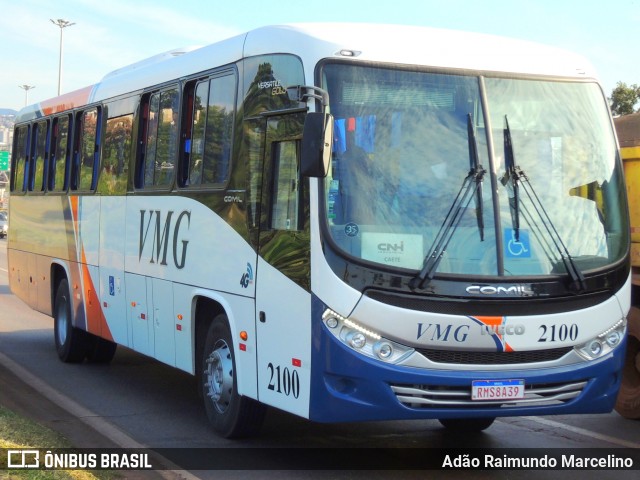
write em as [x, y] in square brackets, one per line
[317, 139]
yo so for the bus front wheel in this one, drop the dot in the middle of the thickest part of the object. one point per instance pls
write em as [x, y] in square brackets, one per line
[230, 414]
[628, 401]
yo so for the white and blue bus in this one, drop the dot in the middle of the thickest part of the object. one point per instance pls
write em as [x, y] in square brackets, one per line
[345, 222]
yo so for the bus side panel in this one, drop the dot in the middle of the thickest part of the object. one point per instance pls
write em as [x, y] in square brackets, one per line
[111, 254]
[140, 324]
[284, 334]
[163, 321]
[43, 285]
[87, 228]
[18, 273]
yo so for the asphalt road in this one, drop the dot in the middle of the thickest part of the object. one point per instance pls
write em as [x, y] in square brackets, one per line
[137, 402]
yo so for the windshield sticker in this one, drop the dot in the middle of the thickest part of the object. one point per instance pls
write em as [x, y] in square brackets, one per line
[517, 247]
[400, 250]
[351, 229]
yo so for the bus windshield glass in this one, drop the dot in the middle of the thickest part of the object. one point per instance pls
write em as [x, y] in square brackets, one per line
[522, 184]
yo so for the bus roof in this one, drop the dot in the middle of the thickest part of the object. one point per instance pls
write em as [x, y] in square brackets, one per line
[395, 44]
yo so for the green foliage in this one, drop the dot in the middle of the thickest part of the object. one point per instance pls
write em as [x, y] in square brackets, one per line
[624, 98]
[19, 432]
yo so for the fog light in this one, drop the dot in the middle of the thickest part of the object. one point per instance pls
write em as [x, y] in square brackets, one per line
[357, 340]
[383, 350]
[595, 348]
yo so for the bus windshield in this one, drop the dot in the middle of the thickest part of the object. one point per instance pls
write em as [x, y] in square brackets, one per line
[525, 183]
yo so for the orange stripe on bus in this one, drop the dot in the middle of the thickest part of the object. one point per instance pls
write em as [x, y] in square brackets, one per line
[67, 101]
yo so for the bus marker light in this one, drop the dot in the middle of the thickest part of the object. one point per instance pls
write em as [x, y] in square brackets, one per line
[296, 362]
[143, 316]
[243, 347]
[178, 327]
[133, 304]
[105, 304]
[244, 335]
[179, 316]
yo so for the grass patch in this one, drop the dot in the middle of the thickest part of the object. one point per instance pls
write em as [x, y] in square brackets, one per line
[19, 432]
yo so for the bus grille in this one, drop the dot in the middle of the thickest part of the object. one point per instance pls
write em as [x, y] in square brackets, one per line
[425, 396]
[493, 358]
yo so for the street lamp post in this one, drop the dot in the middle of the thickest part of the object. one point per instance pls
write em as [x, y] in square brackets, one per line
[26, 89]
[62, 24]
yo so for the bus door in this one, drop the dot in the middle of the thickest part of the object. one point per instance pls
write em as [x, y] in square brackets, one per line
[283, 301]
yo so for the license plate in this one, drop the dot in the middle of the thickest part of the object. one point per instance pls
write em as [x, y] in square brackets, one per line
[487, 390]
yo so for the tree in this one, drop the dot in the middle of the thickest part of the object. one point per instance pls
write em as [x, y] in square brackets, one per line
[624, 98]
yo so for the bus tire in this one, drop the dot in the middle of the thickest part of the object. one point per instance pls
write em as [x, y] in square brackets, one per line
[71, 342]
[101, 350]
[628, 401]
[467, 425]
[230, 414]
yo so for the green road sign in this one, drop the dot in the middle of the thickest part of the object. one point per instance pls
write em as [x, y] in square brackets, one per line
[4, 161]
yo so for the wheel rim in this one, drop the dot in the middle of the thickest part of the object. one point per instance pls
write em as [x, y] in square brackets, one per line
[219, 376]
[62, 320]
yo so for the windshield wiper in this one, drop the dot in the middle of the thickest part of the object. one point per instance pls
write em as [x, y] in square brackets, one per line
[511, 181]
[513, 177]
[479, 172]
[473, 181]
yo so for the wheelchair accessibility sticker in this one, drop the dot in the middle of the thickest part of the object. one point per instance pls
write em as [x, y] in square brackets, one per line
[520, 248]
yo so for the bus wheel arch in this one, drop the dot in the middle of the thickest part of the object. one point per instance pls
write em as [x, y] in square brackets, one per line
[628, 401]
[230, 414]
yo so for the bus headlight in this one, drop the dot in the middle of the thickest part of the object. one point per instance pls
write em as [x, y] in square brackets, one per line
[603, 343]
[364, 340]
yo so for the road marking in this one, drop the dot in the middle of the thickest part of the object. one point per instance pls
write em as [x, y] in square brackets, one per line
[89, 417]
[584, 432]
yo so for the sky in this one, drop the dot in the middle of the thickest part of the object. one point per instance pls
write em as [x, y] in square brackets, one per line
[109, 34]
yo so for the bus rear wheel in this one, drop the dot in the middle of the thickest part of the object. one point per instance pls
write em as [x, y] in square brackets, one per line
[71, 343]
[628, 401]
[230, 414]
[467, 425]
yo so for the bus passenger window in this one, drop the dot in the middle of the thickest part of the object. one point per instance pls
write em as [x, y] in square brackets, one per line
[89, 150]
[198, 131]
[212, 129]
[60, 156]
[286, 186]
[36, 182]
[219, 130]
[20, 153]
[156, 164]
[116, 150]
